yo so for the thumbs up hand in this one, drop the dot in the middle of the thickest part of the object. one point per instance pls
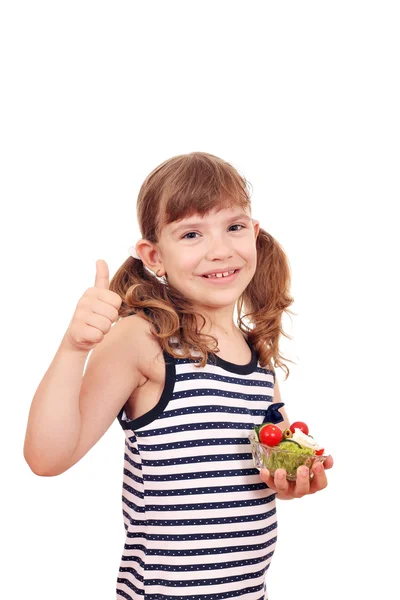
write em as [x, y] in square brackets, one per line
[95, 312]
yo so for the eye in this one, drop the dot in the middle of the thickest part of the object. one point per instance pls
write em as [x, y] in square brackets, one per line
[195, 232]
[238, 225]
[186, 238]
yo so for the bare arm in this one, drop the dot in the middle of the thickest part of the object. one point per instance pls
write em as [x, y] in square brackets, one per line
[70, 413]
[54, 420]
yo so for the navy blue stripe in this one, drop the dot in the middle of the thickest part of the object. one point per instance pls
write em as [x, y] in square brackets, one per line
[132, 462]
[220, 393]
[201, 551]
[196, 459]
[196, 375]
[132, 505]
[207, 490]
[205, 521]
[202, 474]
[132, 490]
[206, 505]
[124, 594]
[257, 369]
[220, 596]
[192, 537]
[219, 441]
[202, 567]
[133, 572]
[212, 408]
[128, 516]
[128, 559]
[134, 477]
[130, 585]
[205, 582]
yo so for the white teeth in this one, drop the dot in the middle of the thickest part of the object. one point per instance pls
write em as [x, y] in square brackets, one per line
[219, 275]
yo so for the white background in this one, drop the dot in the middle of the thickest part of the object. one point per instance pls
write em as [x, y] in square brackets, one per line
[303, 98]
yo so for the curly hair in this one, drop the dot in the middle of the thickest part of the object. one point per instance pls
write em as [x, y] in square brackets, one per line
[182, 186]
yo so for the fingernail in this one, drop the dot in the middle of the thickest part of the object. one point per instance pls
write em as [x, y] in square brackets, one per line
[304, 471]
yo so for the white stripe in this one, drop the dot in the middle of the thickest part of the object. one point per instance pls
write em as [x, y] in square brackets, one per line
[225, 386]
[193, 418]
[189, 435]
[209, 400]
[209, 466]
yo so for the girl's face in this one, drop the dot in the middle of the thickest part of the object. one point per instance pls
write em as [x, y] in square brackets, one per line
[222, 240]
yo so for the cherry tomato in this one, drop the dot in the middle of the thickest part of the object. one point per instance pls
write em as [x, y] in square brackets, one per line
[299, 425]
[320, 452]
[270, 435]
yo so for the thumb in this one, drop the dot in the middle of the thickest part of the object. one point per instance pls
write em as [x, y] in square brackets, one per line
[102, 275]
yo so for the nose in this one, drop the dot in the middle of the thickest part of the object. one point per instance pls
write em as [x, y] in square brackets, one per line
[219, 248]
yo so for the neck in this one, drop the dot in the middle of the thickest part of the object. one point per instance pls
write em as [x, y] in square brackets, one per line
[219, 323]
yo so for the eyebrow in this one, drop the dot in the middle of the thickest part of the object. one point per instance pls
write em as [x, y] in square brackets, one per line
[241, 216]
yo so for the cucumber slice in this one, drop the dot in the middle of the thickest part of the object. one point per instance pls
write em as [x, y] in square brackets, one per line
[289, 441]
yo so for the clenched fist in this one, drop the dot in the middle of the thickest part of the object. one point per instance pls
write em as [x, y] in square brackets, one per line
[95, 313]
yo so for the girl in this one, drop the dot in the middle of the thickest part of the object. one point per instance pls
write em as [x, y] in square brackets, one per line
[187, 384]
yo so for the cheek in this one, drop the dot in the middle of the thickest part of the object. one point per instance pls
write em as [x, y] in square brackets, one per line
[186, 263]
[252, 261]
[250, 255]
[183, 263]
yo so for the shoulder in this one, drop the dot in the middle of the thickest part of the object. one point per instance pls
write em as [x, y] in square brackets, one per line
[144, 345]
[137, 325]
[133, 322]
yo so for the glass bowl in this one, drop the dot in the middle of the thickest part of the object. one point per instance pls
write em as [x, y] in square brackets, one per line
[273, 457]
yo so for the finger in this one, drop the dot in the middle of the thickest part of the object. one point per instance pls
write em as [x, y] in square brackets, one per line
[102, 275]
[328, 463]
[267, 478]
[302, 482]
[319, 481]
[281, 483]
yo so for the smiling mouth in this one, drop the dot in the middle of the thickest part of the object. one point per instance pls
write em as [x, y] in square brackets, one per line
[221, 276]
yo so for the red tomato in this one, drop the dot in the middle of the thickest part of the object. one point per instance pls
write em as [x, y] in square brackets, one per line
[320, 452]
[299, 425]
[270, 435]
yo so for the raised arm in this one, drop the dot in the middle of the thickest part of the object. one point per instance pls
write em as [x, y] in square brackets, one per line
[69, 413]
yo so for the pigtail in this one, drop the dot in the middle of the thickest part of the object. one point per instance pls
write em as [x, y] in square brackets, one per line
[265, 299]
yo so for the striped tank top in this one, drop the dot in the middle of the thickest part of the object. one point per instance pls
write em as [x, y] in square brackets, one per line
[200, 524]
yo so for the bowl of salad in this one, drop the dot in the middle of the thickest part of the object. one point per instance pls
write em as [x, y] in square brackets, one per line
[289, 449]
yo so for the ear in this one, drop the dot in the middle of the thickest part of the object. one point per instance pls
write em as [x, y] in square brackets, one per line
[150, 256]
[256, 226]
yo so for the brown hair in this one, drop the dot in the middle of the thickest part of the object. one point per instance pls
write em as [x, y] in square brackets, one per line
[181, 186]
